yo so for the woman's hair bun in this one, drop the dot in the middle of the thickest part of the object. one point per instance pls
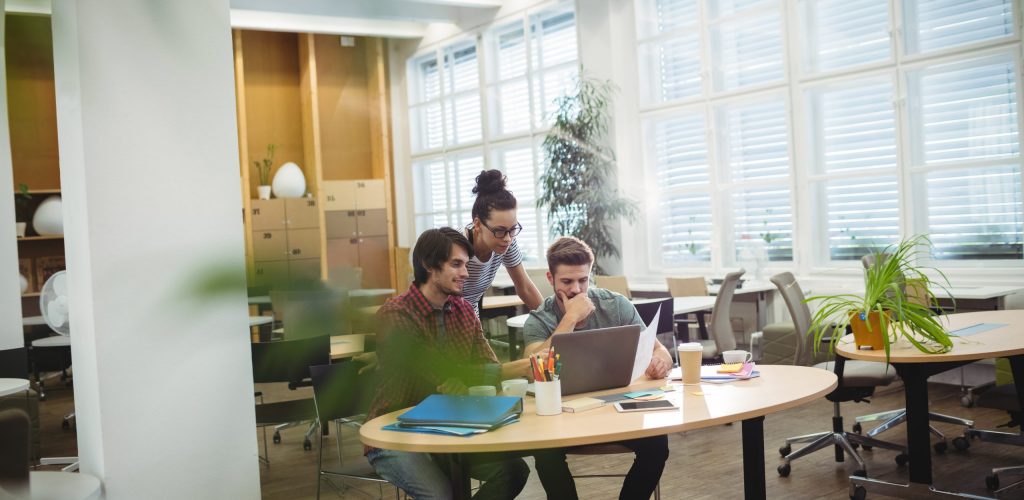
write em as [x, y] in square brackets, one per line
[489, 181]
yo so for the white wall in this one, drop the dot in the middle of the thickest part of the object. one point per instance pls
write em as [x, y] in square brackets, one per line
[149, 173]
[10, 295]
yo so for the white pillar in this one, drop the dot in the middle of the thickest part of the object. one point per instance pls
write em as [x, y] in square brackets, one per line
[149, 177]
[11, 338]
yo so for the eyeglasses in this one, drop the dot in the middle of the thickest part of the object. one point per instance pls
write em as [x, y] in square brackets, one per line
[502, 232]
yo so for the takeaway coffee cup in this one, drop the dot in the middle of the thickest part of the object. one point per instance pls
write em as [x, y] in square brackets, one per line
[689, 362]
[483, 390]
[548, 397]
[737, 356]
[515, 387]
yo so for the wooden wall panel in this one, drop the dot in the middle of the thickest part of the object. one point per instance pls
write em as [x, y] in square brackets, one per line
[344, 108]
[272, 100]
[31, 105]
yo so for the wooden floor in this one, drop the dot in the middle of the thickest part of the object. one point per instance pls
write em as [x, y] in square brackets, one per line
[703, 464]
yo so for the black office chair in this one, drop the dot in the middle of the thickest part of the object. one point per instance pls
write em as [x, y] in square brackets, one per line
[1001, 397]
[857, 382]
[339, 394]
[287, 361]
[648, 310]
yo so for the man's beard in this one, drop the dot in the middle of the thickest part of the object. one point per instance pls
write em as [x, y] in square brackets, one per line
[449, 291]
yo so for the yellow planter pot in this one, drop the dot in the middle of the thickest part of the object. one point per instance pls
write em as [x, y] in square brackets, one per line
[865, 337]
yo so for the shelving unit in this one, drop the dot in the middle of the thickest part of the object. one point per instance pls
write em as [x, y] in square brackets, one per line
[325, 107]
[32, 105]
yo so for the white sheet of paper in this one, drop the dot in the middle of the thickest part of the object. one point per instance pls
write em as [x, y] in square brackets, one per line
[645, 349]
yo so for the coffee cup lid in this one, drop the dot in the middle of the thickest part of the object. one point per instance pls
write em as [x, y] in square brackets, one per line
[691, 346]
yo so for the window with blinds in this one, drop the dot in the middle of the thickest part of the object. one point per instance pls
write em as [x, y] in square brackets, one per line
[530, 61]
[890, 139]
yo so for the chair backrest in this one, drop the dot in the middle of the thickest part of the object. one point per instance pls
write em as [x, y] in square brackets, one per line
[648, 309]
[721, 325]
[288, 360]
[339, 391]
[539, 276]
[793, 295]
[617, 284]
[687, 287]
[345, 278]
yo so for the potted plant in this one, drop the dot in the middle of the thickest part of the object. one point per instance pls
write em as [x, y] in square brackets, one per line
[897, 302]
[22, 205]
[263, 171]
[578, 186]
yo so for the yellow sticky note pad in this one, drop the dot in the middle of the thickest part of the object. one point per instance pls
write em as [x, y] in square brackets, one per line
[697, 393]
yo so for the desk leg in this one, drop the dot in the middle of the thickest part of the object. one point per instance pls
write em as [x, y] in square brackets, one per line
[753, 459]
[459, 474]
[1017, 366]
[915, 382]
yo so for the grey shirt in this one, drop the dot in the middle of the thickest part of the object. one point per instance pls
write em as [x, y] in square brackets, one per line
[610, 309]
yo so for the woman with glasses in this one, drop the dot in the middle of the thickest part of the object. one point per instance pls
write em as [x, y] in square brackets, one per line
[493, 236]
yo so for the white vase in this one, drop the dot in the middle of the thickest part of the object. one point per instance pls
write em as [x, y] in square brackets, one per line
[263, 192]
[24, 283]
[21, 227]
[49, 219]
[289, 181]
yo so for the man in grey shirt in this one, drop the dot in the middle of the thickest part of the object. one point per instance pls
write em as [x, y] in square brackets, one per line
[576, 306]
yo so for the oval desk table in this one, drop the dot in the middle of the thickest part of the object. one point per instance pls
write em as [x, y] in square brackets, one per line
[778, 388]
[1002, 340]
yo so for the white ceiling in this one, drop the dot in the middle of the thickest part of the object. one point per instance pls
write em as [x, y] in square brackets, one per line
[384, 18]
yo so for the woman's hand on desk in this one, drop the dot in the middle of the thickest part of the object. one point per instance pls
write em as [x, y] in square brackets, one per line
[659, 367]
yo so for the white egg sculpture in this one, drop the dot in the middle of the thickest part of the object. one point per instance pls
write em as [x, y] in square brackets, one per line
[24, 283]
[49, 219]
[289, 181]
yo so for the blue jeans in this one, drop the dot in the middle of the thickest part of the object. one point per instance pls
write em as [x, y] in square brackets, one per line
[424, 476]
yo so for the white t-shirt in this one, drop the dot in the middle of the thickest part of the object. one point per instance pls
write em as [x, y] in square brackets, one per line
[481, 274]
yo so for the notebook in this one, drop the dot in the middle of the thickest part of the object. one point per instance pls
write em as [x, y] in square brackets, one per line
[480, 412]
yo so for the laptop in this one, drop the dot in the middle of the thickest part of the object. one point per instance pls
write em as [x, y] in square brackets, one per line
[593, 360]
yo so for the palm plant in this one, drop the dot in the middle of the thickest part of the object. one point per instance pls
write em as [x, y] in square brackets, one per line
[899, 292]
[578, 186]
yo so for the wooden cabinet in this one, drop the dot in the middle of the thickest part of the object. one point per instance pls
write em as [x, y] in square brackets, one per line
[325, 107]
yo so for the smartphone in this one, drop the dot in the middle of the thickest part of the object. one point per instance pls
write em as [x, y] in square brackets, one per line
[659, 404]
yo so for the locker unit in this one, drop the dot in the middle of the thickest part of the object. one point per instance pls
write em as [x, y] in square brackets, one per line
[286, 240]
[356, 227]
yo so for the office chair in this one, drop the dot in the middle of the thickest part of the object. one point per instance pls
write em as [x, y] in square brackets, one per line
[647, 310]
[722, 338]
[689, 287]
[915, 292]
[339, 394]
[287, 361]
[617, 284]
[857, 382]
[1001, 397]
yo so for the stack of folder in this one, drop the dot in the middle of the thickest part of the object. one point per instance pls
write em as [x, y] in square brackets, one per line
[459, 415]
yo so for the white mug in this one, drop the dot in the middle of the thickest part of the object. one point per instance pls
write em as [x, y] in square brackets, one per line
[482, 390]
[514, 387]
[737, 356]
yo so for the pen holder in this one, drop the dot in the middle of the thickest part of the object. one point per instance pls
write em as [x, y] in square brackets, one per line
[548, 397]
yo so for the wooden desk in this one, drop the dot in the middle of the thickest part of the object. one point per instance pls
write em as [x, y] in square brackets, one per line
[914, 367]
[778, 388]
[755, 291]
[347, 346]
[500, 301]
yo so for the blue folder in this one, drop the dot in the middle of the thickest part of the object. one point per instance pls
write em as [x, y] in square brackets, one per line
[480, 412]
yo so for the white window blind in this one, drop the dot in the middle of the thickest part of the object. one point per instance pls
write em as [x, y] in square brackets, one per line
[844, 33]
[755, 140]
[862, 215]
[940, 24]
[763, 218]
[748, 51]
[966, 111]
[669, 49]
[975, 213]
[680, 152]
[517, 162]
[430, 178]
[684, 229]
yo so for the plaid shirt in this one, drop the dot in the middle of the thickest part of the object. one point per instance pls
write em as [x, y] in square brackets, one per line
[419, 347]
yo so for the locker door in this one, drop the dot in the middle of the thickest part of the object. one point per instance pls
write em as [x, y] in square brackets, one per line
[267, 214]
[372, 222]
[373, 258]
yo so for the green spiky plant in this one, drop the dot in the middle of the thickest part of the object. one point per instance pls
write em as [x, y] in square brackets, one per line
[886, 287]
[578, 186]
[263, 166]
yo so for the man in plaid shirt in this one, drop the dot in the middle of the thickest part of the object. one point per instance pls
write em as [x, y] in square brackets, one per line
[430, 340]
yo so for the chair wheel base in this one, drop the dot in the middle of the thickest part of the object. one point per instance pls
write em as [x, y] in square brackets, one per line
[857, 428]
[902, 459]
[784, 470]
[785, 450]
[307, 445]
[940, 447]
[277, 438]
[961, 443]
[860, 472]
[65, 425]
[859, 493]
[992, 482]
